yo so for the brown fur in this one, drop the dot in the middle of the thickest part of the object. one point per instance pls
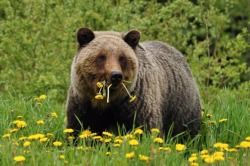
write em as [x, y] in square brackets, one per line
[160, 78]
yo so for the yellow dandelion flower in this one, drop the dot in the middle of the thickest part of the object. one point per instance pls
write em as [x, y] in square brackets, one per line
[245, 144]
[180, 147]
[62, 157]
[192, 159]
[93, 134]
[19, 158]
[42, 97]
[57, 143]
[107, 134]
[218, 158]
[99, 84]
[26, 143]
[194, 155]
[209, 115]
[221, 146]
[204, 156]
[232, 150]
[128, 136]
[6, 136]
[85, 134]
[217, 145]
[36, 99]
[22, 138]
[167, 149]
[130, 155]
[203, 152]
[117, 145]
[158, 140]
[132, 99]
[119, 137]
[138, 132]
[117, 140]
[13, 130]
[248, 138]
[40, 122]
[43, 140]
[50, 135]
[20, 123]
[155, 130]
[68, 131]
[133, 142]
[144, 158]
[218, 153]
[39, 103]
[108, 153]
[71, 137]
[36, 136]
[97, 137]
[99, 97]
[80, 148]
[107, 140]
[209, 160]
[54, 114]
[194, 164]
[222, 120]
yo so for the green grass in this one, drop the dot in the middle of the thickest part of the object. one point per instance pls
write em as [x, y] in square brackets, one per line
[224, 105]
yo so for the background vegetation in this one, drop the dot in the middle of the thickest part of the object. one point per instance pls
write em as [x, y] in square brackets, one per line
[38, 43]
[37, 38]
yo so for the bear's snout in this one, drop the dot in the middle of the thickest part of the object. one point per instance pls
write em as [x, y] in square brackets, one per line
[115, 78]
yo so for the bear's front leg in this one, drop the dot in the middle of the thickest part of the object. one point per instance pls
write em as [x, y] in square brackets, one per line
[75, 111]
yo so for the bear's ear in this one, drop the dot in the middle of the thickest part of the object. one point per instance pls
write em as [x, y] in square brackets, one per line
[132, 38]
[84, 36]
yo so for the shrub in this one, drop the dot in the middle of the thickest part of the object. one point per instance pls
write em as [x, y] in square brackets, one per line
[37, 38]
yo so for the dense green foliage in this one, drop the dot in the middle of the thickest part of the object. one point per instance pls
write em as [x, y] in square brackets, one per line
[37, 38]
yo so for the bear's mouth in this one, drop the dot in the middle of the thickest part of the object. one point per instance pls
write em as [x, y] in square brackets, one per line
[106, 89]
[114, 86]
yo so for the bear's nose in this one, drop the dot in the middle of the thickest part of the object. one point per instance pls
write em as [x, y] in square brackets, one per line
[115, 77]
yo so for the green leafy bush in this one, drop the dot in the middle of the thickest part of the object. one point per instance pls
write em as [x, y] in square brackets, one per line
[37, 38]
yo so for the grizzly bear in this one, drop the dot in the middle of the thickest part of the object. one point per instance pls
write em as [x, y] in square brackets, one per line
[112, 69]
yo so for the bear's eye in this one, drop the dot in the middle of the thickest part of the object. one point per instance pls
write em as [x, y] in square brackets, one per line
[101, 58]
[123, 61]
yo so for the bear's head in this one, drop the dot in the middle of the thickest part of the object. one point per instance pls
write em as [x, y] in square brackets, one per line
[107, 57]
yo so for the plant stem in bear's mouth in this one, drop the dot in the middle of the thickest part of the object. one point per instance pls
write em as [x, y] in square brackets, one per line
[102, 91]
[108, 92]
[132, 98]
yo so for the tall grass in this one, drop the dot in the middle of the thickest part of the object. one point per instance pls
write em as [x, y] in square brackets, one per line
[109, 151]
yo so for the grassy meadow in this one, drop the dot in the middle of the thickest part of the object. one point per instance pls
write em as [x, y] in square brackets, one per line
[32, 133]
[38, 43]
